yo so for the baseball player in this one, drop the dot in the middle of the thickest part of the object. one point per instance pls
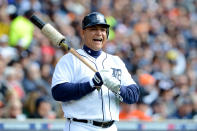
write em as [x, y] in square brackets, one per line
[90, 101]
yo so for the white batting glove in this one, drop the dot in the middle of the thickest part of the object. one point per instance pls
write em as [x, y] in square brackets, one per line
[110, 82]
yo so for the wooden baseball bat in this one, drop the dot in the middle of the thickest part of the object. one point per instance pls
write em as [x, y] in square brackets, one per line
[57, 38]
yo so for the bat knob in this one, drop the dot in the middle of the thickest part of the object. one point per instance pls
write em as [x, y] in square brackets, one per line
[38, 22]
[64, 44]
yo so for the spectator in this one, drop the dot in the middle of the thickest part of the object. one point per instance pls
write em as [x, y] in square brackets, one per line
[138, 113]
[14, 110]
[194, 99]
[13, 107]
[43, 109]
[29, 103]
[33, 80]
[184, 109]
[7, 52]
[159, 110]
[12, 83]
[21, 30]
[3, 88]
[126, 111]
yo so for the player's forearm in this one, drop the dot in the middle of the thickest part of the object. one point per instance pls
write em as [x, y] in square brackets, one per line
[71, 91]
[130, 94]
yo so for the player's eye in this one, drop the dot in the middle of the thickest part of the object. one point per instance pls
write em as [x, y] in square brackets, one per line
[103, 29]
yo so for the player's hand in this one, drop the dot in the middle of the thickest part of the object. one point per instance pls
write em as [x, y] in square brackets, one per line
[96, 80]
[110, 82]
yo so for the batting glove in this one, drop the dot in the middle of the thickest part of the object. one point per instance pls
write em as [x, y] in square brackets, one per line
[96, 80]
[110, 82]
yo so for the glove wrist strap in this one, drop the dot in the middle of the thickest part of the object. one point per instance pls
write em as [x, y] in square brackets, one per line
[91, 83]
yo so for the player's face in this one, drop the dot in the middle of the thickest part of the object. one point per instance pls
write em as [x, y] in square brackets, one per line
[95, 37]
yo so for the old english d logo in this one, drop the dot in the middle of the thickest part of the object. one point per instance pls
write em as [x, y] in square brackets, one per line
[117, 73]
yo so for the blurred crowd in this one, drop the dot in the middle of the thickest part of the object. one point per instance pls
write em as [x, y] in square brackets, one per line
[157, 40]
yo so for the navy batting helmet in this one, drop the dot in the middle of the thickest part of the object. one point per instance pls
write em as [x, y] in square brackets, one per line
[95, 18]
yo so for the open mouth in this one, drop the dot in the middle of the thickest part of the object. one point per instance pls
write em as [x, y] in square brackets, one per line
[98, 39]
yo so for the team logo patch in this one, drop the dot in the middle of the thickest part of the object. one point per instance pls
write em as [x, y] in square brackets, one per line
[117, 73]
[99, 18]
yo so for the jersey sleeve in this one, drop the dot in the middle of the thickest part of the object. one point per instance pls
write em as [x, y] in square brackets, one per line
[63, 71]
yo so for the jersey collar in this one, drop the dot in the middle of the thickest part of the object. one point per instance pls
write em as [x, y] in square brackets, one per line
[91, 52]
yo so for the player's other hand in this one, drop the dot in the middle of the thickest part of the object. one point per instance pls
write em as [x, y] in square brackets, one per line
[110, 82]
[105, 77]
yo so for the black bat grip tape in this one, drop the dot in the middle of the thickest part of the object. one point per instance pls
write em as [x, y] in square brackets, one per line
[38, 22]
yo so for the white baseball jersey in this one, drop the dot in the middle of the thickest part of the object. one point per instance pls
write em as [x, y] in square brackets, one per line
[100, 105]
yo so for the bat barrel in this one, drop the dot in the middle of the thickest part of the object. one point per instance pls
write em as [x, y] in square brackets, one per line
[57, 38]
[38, 22]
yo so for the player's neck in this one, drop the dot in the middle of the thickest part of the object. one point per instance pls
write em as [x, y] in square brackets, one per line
[91, 52]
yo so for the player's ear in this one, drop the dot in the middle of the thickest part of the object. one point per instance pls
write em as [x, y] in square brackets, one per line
[82, 33]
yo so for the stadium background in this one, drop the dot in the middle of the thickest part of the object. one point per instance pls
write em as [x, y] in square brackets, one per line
[157, 40]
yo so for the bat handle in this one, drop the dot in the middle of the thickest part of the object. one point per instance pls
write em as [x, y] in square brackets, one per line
[74, 52]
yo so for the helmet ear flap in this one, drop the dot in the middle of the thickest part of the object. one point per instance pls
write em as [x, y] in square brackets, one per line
[107, 33]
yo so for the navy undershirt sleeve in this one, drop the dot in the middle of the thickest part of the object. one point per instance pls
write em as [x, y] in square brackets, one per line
[130, 94]
[71, 91]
